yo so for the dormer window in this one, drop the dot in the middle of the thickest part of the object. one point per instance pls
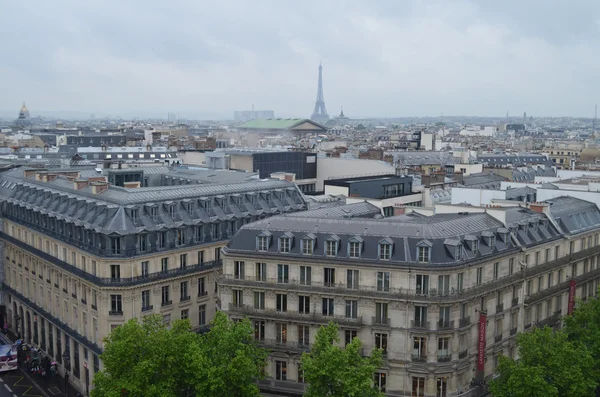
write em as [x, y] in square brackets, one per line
[135, 214]
[307, 245]
[385, 251]
[285, 243]
[457, 252]
[424, 251]
[262, 243]
[355, 247]
[475, 246]
[332, 245]
[423, 254]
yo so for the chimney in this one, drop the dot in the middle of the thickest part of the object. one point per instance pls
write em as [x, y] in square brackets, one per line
[49, 177]
[399, 209]
[99, 187]
[79, 184]
[458, 177]
[131, 185]
[29, 173]
[97, 179]
[538, 207]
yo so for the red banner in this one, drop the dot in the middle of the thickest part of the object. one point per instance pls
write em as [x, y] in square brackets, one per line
[481, 342]
[572, 292]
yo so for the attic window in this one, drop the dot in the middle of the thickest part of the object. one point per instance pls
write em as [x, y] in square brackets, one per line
[423, 254]
[262, 243]
[491, 241]
[331, 247]
[458, 252]
[354, 248]
[284, 244]
[307, 245]
[385, 251]
[474, 246]
[154, 212]
[135, 214]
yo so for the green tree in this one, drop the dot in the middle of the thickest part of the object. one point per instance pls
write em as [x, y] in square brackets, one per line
[335, 371]
[584, 326]
[232, 359]
[549, 365]
[147, 359]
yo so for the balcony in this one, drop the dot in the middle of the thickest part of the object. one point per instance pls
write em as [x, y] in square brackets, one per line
[445, 325]
[464, 322]
[551, 320]
[84, 301]
[527, 326]
[107, 281]
[250, 311]
[418, 358]
[147, 308]
[513, 331]
[498, 338]
[500, 308]
[444, 358]
[94, 307]
[285, 344]
[166, 303]
[381, 321]
[65, 291]
[55, 285]
[40, 277]
[185, 298]
[74, 296]
[48, 281]
[115, 313]
[202, 293]
[515, 302]
[57, 322]
[463, 354]
[419, 324]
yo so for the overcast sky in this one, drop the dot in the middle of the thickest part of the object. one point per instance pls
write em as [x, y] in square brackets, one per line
[380, 57]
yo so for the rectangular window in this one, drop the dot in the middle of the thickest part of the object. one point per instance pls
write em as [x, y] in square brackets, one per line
[280, 370]
[165, 294]
[183, 289]
[303, 335]
[460, 281]
[511, 266]
[328, 306]
[422, 284]
[331, 248]
[182, 261]
[385, 251]
[259, 300]
[281, 302]
[259, 330]
[329, 277]
[200, 257]
[145, 268]
[352, 279]
[354, 249]
[444, 285]
[281, 331]
[202, 286]
[479, 275]
[421, 316]
[303, 304]
[284, 245]
[380, 380]
[164, 264]
[383, 281]
[262, 243]
[283, 274]
[496, 270]
[550, 279]
[185, 314]
[352, 308]
[116, 304]
[349, 335]
[238, 270]
[115, 272]
[423, 254]
[443, 348]
[381, 341]
[307, 246]
[381, 313]
[238, 297]
[145, 299]
[305, 275]
[202, 315]
[260, 271]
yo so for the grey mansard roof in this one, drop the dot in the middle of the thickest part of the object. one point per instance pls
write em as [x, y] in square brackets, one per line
[128, 211]
[441, 232]
[574, 215]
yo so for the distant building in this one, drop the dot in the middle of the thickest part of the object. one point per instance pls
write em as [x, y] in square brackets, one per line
[247, 115]
[282, 126]
[97, 140]
[23, 119]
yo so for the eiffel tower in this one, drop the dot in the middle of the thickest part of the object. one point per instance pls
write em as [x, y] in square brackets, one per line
[320, 113]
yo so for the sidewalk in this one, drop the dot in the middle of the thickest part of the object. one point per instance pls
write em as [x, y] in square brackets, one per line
[49, 386]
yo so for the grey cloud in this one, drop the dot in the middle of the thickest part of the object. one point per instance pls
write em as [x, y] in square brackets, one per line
[381, 58]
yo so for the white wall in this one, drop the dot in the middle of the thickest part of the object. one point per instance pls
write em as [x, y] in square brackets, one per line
[336, 190]
[192, 158]
[469, 168]
[332, 167]
[476, 197]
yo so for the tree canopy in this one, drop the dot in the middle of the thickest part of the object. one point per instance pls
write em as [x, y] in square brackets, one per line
[334, 371]
[551, 363]
[148, 359]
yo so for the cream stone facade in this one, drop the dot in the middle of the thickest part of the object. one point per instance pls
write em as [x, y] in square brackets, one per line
[82, 257]
[418, 299]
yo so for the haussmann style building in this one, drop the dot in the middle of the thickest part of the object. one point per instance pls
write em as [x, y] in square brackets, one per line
[82, 256]
[443, 295]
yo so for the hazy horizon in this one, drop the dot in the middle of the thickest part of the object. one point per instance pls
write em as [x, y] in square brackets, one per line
[380, 59]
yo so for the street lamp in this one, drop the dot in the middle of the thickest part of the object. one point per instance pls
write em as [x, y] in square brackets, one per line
[67, 359]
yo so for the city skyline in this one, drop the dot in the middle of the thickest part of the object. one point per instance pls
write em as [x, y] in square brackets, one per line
[382, 60]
